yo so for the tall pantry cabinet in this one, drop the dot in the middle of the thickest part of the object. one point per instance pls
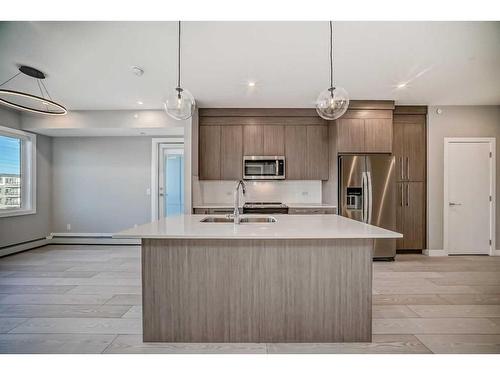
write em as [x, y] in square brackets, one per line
[410, 151]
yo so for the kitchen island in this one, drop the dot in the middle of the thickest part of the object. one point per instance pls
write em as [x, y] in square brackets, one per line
[302, 278]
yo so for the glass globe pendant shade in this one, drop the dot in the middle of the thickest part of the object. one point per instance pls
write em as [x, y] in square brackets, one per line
[332, 103]
[180, 104]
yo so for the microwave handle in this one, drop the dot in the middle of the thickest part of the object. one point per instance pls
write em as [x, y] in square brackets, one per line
[277, 167]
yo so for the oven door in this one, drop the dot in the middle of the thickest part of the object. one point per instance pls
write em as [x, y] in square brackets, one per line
[263, 167]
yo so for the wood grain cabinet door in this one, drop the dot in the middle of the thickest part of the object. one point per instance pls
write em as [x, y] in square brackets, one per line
[295, 152]
[414, 146]
[397, 149]
[231, 152]
[350, 135]
[413, 217]
[400, 199]
[317, 152]
[274, 140]
[253, 140]
[209, 152]
[378, 135]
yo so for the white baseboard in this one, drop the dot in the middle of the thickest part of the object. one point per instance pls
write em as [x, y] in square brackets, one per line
[435, 252]
[495, 253]
[24, 246]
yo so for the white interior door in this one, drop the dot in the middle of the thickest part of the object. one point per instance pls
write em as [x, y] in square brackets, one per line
[469, 196]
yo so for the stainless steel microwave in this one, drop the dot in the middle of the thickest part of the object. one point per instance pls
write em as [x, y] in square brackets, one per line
[264, 167]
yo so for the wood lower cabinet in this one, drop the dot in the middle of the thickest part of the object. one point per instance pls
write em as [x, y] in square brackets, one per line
[312, 211]
[411, 215]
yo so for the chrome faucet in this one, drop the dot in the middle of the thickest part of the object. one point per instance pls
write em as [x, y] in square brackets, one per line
[237, 200]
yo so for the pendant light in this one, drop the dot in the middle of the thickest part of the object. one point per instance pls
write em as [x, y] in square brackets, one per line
[24, 101]
[332, 102]
[180, 103]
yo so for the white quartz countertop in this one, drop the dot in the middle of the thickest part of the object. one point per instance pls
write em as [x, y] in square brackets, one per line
[290, 205]
[286, 227]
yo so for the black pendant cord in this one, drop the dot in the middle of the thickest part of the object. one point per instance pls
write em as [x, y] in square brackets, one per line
[179, 56]
[47, 91]
[331, 54]
[10, 79]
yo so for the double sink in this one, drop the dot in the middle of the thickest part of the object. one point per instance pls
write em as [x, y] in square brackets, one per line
[243, 220]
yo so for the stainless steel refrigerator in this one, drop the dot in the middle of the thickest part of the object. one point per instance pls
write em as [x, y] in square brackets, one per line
[367, 193]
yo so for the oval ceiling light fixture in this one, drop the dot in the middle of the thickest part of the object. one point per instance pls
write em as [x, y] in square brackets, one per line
[28, 102]
[334, 101]
[180, 103]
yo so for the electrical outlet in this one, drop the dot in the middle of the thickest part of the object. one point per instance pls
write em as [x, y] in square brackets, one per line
[148, 191]
[68, 226]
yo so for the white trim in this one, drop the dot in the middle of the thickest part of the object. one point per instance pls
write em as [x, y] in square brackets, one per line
[24, 246]
[28, 172]
[435, 253]
[492, 143]
[495, 253]
[155, 145]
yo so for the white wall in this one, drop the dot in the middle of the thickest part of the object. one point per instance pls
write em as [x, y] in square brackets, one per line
[455, 121]
[17, 229]
[100, 183]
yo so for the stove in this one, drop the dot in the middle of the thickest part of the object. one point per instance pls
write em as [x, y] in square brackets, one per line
[265, 208]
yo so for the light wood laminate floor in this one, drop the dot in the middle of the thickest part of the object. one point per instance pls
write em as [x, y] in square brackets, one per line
[87, 299]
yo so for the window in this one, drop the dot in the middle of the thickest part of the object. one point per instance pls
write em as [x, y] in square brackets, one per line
[17, 172]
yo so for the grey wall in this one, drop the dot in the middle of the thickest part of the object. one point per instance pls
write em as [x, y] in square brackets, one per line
[99, 183]
[455, 121]
[16, 229]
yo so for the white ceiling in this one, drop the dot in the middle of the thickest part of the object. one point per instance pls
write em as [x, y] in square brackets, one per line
[89, 63]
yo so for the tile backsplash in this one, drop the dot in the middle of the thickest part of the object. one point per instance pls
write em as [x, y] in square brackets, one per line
[208, 192]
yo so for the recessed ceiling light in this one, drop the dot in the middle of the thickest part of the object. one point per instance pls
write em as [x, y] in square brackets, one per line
[136, 115]
[139, 102]
[251, 84]
[137, 71]
[402, 85]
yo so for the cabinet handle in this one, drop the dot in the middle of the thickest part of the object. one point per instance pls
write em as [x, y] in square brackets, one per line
[401, 167]
[402, 198]
[407, 168]
[407, 195]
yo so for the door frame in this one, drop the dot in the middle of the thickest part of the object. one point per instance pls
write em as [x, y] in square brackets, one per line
[446, 207]
[155, 169]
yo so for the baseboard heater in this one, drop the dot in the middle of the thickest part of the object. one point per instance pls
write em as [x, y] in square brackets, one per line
[68, 239]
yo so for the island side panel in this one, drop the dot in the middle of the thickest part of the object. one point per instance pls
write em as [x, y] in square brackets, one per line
[257, 290]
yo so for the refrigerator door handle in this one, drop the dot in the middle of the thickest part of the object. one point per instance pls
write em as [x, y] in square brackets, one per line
[370, 200]
[364, 194]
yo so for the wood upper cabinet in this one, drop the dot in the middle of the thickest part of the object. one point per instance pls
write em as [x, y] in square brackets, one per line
[274, 140]
[210, 152]
[410, 147]
[351, 135]
[253, 140]
[231, 152]
[317, 152]
[410, 215]
[266, 140]
[378, 135]
[295, 152]
[365, 132]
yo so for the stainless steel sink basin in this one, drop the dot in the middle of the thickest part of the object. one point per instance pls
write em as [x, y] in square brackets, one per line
[243, 220]
[262, 219]
[214, 219]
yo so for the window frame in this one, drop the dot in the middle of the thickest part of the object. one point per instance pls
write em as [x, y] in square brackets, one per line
[28, 172]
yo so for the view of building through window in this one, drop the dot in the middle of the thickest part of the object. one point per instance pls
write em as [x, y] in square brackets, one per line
[10, 172]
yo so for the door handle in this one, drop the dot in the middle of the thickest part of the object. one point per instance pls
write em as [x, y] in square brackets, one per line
[402, 197]
[407, 195]
[454, 204]
[407, 168]
[401, 167]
